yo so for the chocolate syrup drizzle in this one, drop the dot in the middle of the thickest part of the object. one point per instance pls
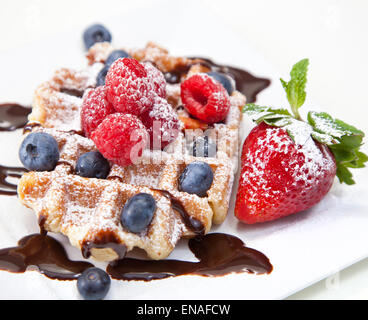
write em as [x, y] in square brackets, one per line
[7, 188]
[218, 253]
[191, 223]
[13, 116]
[45, 253]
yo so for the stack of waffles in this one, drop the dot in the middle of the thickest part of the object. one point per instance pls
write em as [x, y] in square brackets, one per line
[87, 210]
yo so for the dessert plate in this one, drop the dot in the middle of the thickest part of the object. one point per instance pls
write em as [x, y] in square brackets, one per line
[302, 248]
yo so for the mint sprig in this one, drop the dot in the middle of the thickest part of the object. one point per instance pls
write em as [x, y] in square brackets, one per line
[343, 140]
[295, 88]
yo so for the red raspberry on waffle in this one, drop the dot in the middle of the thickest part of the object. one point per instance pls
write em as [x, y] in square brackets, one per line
[205, 98]
[129, 87]
[95, 108]
[162, 124]
[121, 138]
[156, 78]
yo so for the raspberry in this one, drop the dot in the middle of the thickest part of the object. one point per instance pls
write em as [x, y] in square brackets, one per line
[205, 98]
[162, 124]
[95, 108]
[121, 138]
[157, 79]
[129, 88]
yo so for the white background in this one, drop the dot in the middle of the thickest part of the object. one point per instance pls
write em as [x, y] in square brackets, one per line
[331, 33]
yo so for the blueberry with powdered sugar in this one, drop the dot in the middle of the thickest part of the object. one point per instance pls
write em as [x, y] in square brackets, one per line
[138, 212]
[196, 178]
[92, 165]
[39, 151]
[96, 33]
[93, 284]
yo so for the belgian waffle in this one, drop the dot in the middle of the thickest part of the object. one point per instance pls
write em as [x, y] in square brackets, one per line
[87, 210]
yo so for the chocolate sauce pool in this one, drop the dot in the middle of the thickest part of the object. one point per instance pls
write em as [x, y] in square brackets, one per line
[218, 254]
[13, 116]
[45, 253]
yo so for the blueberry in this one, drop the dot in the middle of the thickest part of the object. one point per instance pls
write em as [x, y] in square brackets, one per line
[115, 55]
[138, 212]
[92, 165]
[93, 284]
[100, 80]
[196, 178]
[95, 33]
[204, 147]
[224, 80]
[39, 151]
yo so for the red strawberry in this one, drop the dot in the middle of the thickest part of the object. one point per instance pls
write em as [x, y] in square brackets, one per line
[289, 165]
[280, 177]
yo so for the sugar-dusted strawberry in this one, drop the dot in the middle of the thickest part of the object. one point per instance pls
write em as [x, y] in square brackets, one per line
[205, 98]
[289, 165]
[162, 124]
[121, 138]
[279, 177]
[95, 108]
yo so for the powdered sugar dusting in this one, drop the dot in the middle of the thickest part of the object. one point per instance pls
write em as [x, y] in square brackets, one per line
[83, 208]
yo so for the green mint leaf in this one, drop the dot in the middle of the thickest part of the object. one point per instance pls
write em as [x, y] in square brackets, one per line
[324, 123]
[277, 121]
[344, 175]
[323, 138]
[359, 161]
[295, 88]
[263, 113]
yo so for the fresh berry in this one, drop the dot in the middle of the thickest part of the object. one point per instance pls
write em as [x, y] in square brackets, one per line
[225, 80]
[289, 165]
[162, 124]
[280, 177]
[93, 284]
[138, 212]
[115, 55]
[121, 138]
[95, 108]
[196, 178]
[101, 76]
[39, 151]
[190, 123]
[205, 98]
[92, 165]
[129, 88]
[156, 78]
[95, 33]
[203, 147]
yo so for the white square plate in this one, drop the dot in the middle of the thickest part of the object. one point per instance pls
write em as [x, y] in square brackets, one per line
[303, 248]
